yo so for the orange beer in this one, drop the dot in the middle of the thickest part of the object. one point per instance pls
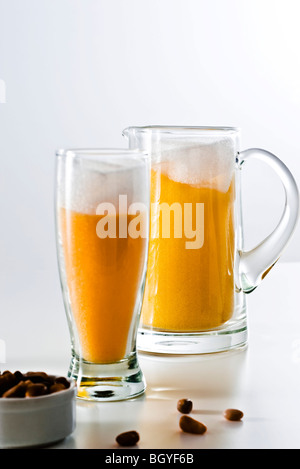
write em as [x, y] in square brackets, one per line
[103, 279]
[190, 289]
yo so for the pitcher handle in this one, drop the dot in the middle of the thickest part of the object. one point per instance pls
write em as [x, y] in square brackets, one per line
[255, 264]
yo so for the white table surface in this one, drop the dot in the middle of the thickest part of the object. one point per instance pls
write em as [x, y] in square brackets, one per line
[263, 380]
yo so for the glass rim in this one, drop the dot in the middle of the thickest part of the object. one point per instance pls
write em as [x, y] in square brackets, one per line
[86, 152]
[222, 130]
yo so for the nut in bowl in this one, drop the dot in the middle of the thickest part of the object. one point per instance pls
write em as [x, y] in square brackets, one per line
[36, 409]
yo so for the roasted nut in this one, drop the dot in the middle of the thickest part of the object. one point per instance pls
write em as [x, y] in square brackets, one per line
[7, 381]
[63, 380]
[37, 376]
[16, 391]
[128, 438]
[190, 425]
[19, 376]
[233, 414]
[184, 406]
[56, 387]
[36, 389]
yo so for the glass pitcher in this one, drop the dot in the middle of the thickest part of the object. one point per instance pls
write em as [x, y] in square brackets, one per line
[198, 272]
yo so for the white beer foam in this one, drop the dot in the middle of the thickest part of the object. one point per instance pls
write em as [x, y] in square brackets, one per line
[207, 164]
[90, 183]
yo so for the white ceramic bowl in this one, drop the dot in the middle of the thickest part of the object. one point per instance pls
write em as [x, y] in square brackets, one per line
[37, 421]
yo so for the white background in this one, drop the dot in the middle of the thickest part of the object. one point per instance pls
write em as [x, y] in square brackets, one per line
[78, 71]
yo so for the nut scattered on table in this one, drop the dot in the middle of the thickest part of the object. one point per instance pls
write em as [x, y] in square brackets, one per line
[185, 406]
[30, 384]
[190, 425]
[234, 415]
[128, 438]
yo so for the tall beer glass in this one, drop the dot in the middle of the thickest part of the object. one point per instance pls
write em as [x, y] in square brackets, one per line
[102, 208]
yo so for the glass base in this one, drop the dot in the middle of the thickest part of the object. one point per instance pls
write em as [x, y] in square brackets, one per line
[234, 335]
[107, 382]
